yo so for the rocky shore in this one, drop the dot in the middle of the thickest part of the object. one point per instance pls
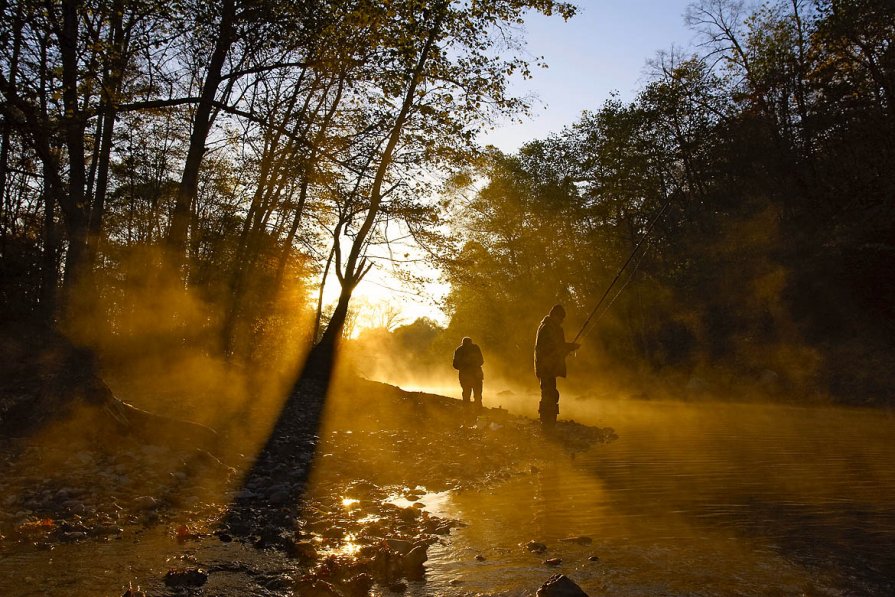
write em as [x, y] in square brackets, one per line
[330, 506]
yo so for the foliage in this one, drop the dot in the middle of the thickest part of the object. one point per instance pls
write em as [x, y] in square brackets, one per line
[768, 145]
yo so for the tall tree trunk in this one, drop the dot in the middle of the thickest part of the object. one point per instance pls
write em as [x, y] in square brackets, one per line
[77, 267]
[49, 257]
[290, 237]
[112, 78]
[6, 139]
[202, 121]
[319, 314]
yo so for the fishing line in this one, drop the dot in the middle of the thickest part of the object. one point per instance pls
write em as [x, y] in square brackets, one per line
[646, 234]
[620, 291]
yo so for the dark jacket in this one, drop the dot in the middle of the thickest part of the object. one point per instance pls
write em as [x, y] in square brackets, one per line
[551, 349]
[468, 361]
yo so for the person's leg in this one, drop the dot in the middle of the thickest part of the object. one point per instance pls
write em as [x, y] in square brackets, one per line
[548, 409]
[467, 390]
[477, 392]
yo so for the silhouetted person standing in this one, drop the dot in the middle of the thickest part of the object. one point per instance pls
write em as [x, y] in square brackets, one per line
[468, 361]
[551, 349]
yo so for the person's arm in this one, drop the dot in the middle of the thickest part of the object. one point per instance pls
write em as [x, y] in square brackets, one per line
[569, 346]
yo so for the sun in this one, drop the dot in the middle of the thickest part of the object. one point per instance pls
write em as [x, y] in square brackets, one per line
[381, 300]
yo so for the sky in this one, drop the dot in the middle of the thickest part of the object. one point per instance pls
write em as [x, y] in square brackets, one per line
[602, 50]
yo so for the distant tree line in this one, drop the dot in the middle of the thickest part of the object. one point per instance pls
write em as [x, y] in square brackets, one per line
[190, 172]
[774, 145]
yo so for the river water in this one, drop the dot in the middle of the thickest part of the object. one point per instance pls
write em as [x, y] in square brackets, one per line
[691, 499]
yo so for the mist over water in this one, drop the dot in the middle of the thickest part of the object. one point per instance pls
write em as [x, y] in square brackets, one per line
[711, 499]
[698, 495]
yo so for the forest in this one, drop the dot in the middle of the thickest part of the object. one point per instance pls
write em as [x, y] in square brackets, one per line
[197, 396]
[766, 160]
[181, 180]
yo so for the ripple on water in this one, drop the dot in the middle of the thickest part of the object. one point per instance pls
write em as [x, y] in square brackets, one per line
[744, 499]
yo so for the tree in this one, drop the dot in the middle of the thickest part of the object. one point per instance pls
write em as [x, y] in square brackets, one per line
[437, 83]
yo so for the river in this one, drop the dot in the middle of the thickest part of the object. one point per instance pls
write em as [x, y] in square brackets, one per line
[692, 499]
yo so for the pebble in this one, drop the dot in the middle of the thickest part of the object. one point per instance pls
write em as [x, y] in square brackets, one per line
[191, 577]
[145, 502]
[536, 547]
[399, 546]
[560, 585]
[73, 536]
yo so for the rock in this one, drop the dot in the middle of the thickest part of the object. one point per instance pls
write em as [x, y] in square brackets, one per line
[304, 550]
[593, 559]
[64, 494]
[279, 583]
[580, 540]
[536, 547]
[553, 561]
[73, 536]
[105, 530]
[560, 585]
[399, 546]
[358, 585]
[74, 506]
[145, 502]
[413, 562]
[480, 558]
[398, 587]
[190, 577]
[316, 588]
[416, 557]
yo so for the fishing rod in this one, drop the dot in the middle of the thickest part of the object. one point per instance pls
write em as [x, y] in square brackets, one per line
[623, 267]
[618, 293]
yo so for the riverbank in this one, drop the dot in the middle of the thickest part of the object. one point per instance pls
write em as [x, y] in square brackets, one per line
[332, 504]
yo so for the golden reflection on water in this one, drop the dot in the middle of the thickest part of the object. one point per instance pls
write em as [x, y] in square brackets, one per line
[349, 547]
[349, 503]
[717, 497]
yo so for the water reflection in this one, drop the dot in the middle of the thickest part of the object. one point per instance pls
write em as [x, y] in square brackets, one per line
[711, 499]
